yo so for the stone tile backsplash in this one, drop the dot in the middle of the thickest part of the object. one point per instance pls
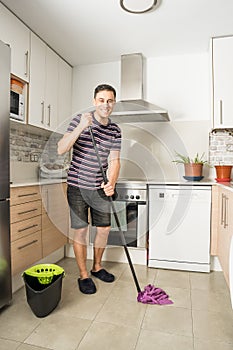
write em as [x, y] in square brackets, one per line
[29, 146]
[221, 147]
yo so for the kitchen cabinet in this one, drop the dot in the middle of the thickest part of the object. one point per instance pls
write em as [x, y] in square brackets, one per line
[43, 94]
[222, 70]
[17, 35]
[25, 216]
[64, 95]
[225, 229]
[54, 217]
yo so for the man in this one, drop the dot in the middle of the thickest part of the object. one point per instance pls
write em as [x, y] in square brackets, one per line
[86, 188]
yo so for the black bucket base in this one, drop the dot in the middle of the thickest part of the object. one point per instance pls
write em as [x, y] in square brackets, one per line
[43, 298]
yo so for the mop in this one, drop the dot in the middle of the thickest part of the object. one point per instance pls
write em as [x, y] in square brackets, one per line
[150, 294]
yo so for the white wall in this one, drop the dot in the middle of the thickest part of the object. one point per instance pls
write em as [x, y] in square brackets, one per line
[86, 78]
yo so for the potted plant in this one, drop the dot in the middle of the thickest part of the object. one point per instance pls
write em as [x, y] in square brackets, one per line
[193, 166]
[223, 173]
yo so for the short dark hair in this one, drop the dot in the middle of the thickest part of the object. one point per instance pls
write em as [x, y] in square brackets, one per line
[103, 87]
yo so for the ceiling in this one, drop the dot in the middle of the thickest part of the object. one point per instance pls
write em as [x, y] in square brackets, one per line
[98, 31]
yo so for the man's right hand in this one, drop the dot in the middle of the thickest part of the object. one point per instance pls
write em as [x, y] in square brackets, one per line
[86, 120]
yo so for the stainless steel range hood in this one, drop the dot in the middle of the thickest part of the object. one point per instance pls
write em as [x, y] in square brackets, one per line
[132, 108]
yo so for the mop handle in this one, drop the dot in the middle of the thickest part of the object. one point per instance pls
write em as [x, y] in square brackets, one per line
[114, 213]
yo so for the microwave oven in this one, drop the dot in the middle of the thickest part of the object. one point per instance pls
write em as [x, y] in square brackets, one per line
[17, 106]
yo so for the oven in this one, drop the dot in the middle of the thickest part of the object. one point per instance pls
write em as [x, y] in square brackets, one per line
[132, 209]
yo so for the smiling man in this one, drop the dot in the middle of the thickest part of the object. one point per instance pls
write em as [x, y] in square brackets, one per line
[86, 188]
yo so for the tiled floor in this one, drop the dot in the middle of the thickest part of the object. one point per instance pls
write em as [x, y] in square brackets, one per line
[201, 317]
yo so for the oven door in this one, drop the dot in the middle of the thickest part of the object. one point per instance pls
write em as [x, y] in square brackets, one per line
[133, 217]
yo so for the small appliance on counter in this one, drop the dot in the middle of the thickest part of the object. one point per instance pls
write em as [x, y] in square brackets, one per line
[53, 170]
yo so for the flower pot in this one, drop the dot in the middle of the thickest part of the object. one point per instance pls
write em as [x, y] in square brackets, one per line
[193, 169]
[223, 172]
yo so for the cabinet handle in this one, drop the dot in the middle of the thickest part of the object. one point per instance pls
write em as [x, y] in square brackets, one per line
[49, 109]
[220, 110]
[42, 112]
[27, 228]
[26, 64]
[27, 194]
[27, 211]
[226, 212]
[27, 244]
[222, 206]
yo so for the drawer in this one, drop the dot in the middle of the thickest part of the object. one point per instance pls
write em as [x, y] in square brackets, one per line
[25, 194]
[25, 227]
[25, 211]
[25, 252]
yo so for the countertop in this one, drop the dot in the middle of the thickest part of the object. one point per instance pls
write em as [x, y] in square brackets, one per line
[35, 182]
[206, 182]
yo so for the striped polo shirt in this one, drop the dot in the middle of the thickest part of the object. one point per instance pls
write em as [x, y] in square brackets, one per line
[84, 170]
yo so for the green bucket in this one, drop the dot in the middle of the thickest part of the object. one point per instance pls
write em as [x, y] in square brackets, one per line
[44, 272]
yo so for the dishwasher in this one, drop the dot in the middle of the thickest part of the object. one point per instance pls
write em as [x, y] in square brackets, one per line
[179, 227]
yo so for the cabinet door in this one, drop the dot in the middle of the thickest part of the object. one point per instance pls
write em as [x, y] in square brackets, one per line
[225, 230]
[17, 35]
[51, 90]
[64, 95]
[222, 81]
[36, 115]
[54, 218]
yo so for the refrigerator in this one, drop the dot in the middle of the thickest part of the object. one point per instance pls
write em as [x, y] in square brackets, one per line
[5, 251]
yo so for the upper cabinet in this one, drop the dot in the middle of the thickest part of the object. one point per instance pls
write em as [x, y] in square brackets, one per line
[64, 95]
[50, 88]
[222, 68]
[17, 35]
[43, 90]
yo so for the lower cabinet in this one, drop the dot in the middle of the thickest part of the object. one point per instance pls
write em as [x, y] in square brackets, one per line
[39, 223]
[225, 230]
[25, 214]
[54, 218]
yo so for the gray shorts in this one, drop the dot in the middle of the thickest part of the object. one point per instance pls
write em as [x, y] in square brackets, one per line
[80, 200]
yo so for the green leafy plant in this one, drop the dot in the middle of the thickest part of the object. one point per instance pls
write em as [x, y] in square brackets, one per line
[181, 159]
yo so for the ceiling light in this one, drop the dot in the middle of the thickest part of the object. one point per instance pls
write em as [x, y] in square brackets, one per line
[138, 6]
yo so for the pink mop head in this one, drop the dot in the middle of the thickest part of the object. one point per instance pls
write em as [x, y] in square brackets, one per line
[153, 295]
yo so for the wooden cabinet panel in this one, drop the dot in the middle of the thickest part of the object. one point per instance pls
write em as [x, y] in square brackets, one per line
[214, 220]
[225, 232]
[26, 251]
[25, 211]
[24, 194]
[26, 227]
[54, 218]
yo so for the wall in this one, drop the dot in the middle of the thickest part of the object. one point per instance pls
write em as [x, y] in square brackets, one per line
[181, 84]
[29, 148]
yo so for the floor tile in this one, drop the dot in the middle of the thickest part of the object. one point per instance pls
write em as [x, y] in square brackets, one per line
[164, 318]
[143, 274]
[8, 344]
[201, 317]
[172, 278]
[209, 300]
[11, 325]
[30, 347]
[211, 345]
[149, 340]
[65, 333]
[213, 281]
[125, 290]
[213, 325]
[105, 336]
[122, 312]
